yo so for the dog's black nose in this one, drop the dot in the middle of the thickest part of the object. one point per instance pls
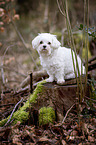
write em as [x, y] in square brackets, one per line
[44, 46]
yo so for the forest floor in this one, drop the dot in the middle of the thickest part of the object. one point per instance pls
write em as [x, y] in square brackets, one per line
[77, 129]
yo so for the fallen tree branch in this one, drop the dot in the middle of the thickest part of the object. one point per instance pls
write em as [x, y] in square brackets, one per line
[37, 76]
[91, 63]
[13, 112]
[92, 59]
[92, 66]
[90, 99]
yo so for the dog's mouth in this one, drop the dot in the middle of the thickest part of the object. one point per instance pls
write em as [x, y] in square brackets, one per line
[44, 50]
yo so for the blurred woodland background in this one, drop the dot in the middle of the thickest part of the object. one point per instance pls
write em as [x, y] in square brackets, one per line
[21, 21]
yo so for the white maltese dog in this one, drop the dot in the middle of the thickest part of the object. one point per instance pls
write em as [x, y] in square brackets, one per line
[56, 60]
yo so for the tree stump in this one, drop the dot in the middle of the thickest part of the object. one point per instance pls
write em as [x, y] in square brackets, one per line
[60, 98]
[46, 95]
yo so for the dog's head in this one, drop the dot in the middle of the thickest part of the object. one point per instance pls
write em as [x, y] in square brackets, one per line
[45, 43]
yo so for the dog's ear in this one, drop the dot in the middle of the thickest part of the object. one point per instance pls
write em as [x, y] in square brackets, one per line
[55, 42]
[35, 42]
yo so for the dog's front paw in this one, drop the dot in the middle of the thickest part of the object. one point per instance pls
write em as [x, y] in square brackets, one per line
[50, 79]
[60, 82]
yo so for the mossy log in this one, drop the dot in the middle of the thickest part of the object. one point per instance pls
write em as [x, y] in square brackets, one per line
[22, 114]
[46, 95]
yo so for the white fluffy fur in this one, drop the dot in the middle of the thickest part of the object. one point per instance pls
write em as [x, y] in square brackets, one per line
[56, 60]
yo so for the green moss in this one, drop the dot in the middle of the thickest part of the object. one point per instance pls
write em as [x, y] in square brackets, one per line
[37, 91]
[2, 123]
[32, 98]
[21, 115]
[47, 115]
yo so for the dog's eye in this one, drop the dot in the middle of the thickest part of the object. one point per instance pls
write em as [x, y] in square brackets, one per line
[49, 43]
[41, 42]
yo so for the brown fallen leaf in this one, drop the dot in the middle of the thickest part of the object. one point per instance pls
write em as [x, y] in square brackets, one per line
[91, 139]
[1, 29]
[74, 133]
[64, 142]
[30, 143]
[65, 132]
[10, 60]
[93, 121]
[16, 140]
[67, 137]
[85, 129]
[42, 139]
[80, 143]
[71, 137]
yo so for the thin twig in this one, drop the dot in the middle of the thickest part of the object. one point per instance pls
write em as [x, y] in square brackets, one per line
[13, 112]
[8, 48]
[11, 69]
[66, 115]
[2, 105]
[53, 132]
[86, 40]
[92, 66]
[60, 9]
[92, 59]
[2, 73]
[90, 99]
[31, 82]
[21, 38]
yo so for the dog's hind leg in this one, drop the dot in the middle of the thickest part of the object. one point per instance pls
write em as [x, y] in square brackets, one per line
[70, 76]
